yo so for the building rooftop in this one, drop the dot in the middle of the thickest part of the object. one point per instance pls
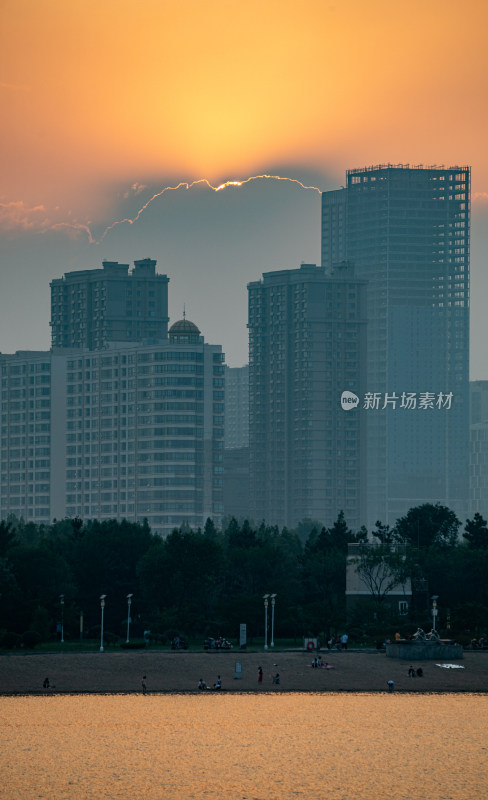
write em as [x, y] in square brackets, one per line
[184, 326]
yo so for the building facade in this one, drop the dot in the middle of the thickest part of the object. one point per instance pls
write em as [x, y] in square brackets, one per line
[132, 431]
[92, 307]
[236, 407]
[307, 340]
[407, 231]
[32, 388]
[478, 457]
[236, 438]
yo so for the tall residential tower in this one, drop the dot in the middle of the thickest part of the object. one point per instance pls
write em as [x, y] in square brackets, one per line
[406, 229]
[133, 431]
[307, 340]
[92, 307]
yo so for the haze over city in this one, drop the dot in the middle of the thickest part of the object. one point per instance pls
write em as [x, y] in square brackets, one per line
[330, 496]
[105, 106]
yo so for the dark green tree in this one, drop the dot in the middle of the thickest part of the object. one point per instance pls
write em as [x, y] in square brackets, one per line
[382, 568]
[7, 537]
[428, 526]
[305, 528]
[324, 579]
[41, 577]
[210, 530]
[476, 532]
[10, 596]
[383, 533]
[105, 559]
[180, 577]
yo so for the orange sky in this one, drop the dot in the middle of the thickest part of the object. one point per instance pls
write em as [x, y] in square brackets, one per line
[105, 91]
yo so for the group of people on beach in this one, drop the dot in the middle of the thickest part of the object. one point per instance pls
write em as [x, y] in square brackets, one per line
[339, 642]
[201, 684]
[275, 678]
[217, 685]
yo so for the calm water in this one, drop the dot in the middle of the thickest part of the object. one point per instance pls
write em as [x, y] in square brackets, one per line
[273, 747]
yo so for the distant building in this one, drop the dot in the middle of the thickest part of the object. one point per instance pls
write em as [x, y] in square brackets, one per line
[237, 406]
[478, 464]
[131, 431]
[32, 445]
[407, 231]
[236, 482]
[307, 344]
[92, 307]
[236, 438]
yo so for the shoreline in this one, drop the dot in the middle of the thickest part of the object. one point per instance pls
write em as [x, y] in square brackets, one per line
[179, 672]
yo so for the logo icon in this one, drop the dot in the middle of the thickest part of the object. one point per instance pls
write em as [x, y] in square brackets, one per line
[349, 400]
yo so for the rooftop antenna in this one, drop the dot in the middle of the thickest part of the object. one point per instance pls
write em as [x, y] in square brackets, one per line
[184, 311]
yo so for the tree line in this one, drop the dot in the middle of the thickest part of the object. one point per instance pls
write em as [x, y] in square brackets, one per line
[206, 582]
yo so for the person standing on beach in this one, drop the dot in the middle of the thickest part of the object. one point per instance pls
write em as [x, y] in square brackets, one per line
[344, 640]
[260, 674]
[143, 684]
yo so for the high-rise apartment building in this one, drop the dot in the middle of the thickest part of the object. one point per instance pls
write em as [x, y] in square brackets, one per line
[237, 406]
[307, 345]
[406, 229]
[236, 439]
[132, 431]
[478, 463]
[92, 307]
[31, 456]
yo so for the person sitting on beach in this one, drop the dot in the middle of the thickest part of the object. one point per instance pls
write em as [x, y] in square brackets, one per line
[420, 672]
[46, 683]
[319, 661]
[411, 672]
[202, 684]
[218, 685]
[391, 686]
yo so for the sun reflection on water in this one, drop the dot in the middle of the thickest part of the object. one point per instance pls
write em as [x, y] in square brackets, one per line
[244, 746]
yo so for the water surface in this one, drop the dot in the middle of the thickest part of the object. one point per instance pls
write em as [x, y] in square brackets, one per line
[249, 747]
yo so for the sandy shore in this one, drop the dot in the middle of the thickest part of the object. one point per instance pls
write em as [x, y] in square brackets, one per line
[179, 672]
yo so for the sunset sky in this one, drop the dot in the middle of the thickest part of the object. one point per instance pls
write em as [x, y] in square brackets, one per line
[104, 103]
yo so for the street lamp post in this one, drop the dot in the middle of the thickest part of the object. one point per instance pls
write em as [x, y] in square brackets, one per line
[102, 606]
[265, 598]
[273, 600]
[61, 600]
[129, 601]
[434, 599]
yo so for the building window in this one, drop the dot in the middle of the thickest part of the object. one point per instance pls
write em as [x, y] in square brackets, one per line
[402, 607]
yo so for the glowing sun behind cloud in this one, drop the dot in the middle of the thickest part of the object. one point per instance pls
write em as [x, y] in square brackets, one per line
[96, 92]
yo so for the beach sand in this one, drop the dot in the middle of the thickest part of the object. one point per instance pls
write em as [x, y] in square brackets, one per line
[113, 672]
